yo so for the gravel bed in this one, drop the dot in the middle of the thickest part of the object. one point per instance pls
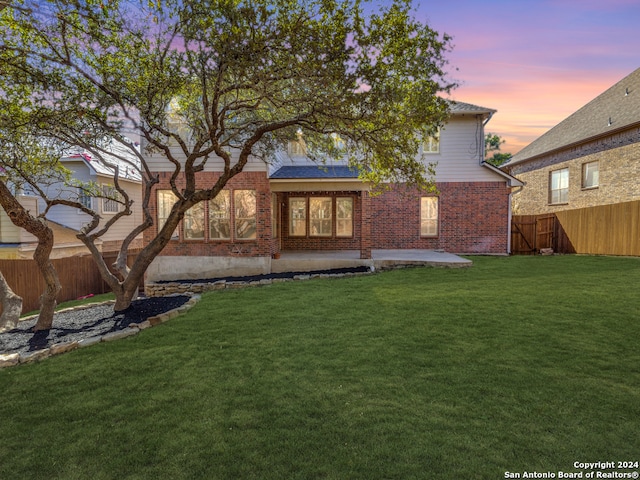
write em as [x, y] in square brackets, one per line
[76, 325]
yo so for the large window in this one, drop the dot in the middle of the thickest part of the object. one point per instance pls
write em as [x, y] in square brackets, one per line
[590, 174]
[429, 216]
[213, 220]
[245, 209]
[193, 222]
[166, 199]
[297, 217]
[220, 216]
[344, 217]
[559, 186]
[320, 216]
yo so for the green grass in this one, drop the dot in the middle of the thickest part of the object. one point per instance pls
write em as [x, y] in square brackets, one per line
[516, 364]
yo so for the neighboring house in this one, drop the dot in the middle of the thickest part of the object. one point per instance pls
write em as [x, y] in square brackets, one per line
[291, 204]
[591, 158]
[67, 221]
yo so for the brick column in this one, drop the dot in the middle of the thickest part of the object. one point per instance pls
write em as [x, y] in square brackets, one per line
[365, 225]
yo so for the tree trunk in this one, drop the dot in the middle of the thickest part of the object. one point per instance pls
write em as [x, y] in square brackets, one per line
[11, 306]
[48, 297]
[39, 228]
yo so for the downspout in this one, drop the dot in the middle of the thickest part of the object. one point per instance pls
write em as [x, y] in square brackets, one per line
[511, 192]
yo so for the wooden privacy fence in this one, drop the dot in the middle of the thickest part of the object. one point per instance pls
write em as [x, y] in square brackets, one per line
[602, 230]
[79, 276]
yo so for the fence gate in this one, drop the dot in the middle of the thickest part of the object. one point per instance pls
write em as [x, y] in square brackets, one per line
[530, 233]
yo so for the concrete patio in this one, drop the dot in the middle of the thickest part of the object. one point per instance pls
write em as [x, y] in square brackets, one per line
[307, 261]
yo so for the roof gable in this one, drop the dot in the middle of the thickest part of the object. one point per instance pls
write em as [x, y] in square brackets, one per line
[616, 109]
[126, 161]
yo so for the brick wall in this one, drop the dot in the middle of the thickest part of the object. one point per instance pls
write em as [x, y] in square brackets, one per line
[473, 218]
[262, 245]
[619, 169]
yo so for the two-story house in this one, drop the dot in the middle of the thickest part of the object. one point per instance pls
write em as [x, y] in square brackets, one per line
[586, 170]
[291, 204]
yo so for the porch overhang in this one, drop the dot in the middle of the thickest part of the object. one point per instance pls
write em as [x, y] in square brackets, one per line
[317, 185]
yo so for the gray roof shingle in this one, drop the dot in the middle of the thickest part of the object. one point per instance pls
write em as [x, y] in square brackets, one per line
[615, 109]
[315, 171]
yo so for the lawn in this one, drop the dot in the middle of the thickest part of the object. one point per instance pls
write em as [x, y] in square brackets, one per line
[516, 364]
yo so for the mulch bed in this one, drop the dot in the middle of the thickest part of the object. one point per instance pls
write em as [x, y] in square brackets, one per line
[76, 325]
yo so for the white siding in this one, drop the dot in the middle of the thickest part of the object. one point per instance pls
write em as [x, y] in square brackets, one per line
[158, 162]
[461, 151]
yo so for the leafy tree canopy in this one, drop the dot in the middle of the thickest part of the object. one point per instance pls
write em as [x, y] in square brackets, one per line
[492, 144]
[198, 80]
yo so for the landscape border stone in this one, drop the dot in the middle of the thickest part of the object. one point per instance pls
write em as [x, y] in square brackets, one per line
[13, 359]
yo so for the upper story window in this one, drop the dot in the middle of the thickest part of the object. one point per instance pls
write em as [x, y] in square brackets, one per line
[298, 146]
[590, 174]
[85, 199]
[431, 144]
[111, 204]
[559, 186]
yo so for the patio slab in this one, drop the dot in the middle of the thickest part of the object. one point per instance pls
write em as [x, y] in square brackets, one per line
[307, 261]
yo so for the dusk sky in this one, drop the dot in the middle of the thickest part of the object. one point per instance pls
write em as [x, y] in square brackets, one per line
[535, 61]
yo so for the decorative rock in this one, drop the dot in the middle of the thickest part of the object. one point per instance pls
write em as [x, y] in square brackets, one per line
[546, 251]
[9, 359]
[302, 277]
[127, 332]
[144, 325]
[155, 320]
[87, 342]
[62, 347]
[30, 357]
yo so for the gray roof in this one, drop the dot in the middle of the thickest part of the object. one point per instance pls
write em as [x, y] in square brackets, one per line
[616, 109]
[462, 108]
[315, 171]
[127, 162]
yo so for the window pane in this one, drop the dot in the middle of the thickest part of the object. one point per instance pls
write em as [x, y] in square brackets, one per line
[320, 215]
[344, 217]
[559, 186]
[431, 144]
[297, 217]
[590, 175]
[429, 216]
[194, 222]
[85, 199]
[220, 216]
[245, 208]
[166, 199]
[108, 205]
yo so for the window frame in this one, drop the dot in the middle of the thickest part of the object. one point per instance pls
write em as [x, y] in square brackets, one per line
[349, 219]
[563, 192]
[431, 144]
[190, 216]
[107, 190]
[226, 218]
[585, 175]
[82, 199]
[162, 220]
[321, 221]
[251, 219]
[435, 219]
[304, 218]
